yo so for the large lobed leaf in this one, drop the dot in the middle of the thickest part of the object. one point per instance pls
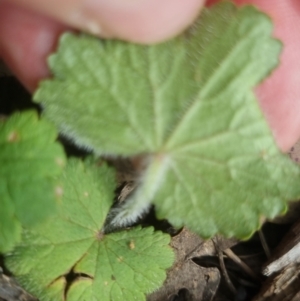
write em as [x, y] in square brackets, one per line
[70, 246]
[29, 159]
[189, 104]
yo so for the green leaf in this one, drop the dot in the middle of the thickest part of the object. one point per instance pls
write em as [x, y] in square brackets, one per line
[189, 104]
[29, 159]
[108, 267]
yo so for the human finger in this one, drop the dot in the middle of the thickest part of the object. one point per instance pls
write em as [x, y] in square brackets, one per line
[142, 21]
[26, 39]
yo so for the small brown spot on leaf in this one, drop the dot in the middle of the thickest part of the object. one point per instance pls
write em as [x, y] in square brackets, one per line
[113, 278]
[59, 162]
[263, 154]
[120, 259]
[131, 245]
[100, 235]
[59, 191]
[13, 136]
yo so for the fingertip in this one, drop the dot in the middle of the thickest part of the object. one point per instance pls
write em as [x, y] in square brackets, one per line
[142, 21]
[147, 21]
[27, 37]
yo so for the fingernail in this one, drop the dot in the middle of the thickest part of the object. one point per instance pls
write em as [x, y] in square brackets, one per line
[142, 21]
[85, 22]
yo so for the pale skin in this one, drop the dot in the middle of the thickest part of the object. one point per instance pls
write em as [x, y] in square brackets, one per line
[29, 30]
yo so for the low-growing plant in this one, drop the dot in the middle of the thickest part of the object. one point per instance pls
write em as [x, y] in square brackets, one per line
[186, 109]
[30, 158]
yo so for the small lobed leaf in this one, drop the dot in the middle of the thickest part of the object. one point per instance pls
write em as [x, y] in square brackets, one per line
[108, 267]
[189, 104]
[29, 159]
